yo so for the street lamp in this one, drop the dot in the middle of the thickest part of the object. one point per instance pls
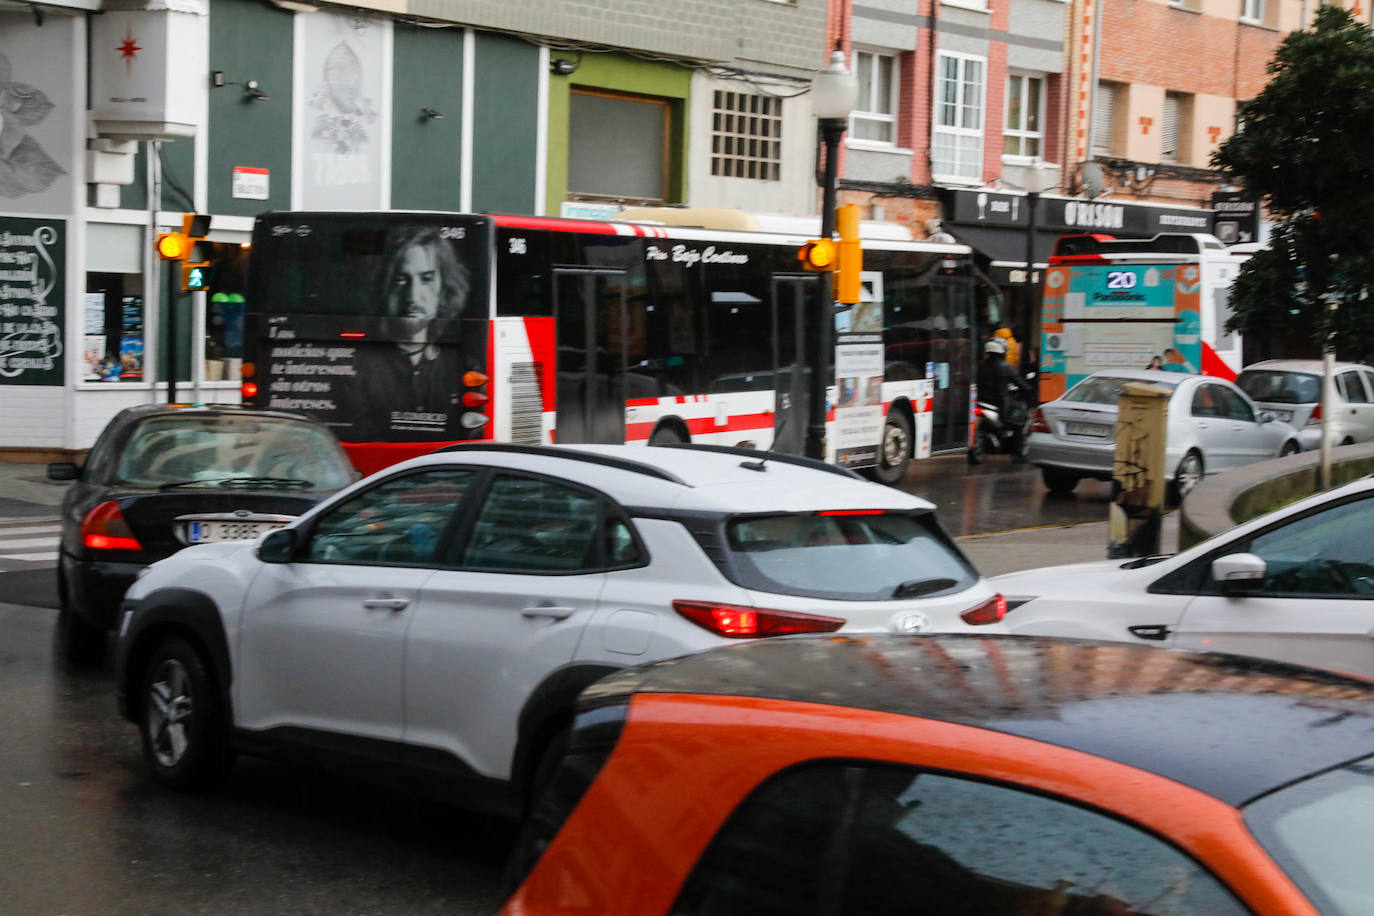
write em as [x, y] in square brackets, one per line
[834, 93]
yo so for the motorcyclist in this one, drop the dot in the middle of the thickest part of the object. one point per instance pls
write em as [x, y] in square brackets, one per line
[995, 375]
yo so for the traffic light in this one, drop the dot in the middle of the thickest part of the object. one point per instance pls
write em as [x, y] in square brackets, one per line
[197, 276]
[817, 254]
[177, 246]
[849, 271]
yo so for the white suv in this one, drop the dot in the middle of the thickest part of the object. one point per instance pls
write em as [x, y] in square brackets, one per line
[441, 616]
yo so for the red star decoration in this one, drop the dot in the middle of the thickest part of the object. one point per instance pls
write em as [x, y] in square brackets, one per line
[128, 49]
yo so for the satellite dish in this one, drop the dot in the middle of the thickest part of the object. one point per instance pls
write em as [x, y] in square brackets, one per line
[1090, 176]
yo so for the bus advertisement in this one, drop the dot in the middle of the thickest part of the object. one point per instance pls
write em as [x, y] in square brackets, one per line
[1125, 303]
[404, 331]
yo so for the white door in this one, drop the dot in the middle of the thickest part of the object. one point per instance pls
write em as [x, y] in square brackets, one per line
[1317, 604]
[321, 642]
[527, 580]
[1357, 412]
[1212, 428]
[1247, 439]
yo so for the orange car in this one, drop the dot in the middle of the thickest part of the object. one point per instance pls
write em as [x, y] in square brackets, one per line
[958, 775]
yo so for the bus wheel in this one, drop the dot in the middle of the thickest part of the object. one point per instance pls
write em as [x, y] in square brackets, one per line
[666, 435]
[894, 451]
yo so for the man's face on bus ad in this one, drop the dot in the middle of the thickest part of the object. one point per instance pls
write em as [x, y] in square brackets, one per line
[415, 292]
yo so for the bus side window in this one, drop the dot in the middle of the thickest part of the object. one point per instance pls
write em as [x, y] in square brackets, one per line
[523, 273]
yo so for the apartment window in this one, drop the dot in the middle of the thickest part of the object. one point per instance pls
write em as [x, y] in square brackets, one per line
[618, 145]
[957, 137]
[1252, 10]
[746, 136]
[875, 117]
[1023, 133]
[1104, 120]
[1175, 135]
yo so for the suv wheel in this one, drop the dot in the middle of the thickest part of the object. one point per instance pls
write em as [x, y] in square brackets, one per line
[180, 719]
[1059, 482]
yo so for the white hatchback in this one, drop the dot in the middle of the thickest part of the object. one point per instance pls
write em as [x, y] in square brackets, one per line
[1295, 585]
[440, 617]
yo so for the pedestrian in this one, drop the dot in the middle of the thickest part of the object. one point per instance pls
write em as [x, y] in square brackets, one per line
[1013, 347]
[1155, 363]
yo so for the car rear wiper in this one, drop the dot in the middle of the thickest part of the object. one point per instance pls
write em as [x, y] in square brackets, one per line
[918, 587]
[285, 483]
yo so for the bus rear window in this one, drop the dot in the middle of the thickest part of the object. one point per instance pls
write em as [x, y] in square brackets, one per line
[857, 557]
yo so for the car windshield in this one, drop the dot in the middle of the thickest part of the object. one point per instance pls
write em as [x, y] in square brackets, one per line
[1278, 387]
[1320, 831]
[209, 450]
[1105, 389]
[850, 556]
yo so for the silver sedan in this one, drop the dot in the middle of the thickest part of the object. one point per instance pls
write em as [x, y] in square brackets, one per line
[1213, 427]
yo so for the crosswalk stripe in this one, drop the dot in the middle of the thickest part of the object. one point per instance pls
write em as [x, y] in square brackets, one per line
[6, 544]
[31, 529]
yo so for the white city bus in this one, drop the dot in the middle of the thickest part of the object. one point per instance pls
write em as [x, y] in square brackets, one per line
[541, 330]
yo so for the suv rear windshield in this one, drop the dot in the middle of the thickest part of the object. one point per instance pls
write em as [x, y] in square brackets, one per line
[1277, 387]
[847, 556]
[1105, 389]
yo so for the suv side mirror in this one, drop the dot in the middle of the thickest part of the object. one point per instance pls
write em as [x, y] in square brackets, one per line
[1239, 573]
[1267, 416]
[63, 470]
[278, 546]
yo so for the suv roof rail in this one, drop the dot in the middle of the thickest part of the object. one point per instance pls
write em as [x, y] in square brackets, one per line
[610, 461]
[779, 457]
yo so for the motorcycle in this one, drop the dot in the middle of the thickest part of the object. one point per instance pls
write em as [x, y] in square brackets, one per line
[1002, 431]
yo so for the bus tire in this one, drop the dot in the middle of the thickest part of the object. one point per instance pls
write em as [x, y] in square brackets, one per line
[666, 435]
[894, 451]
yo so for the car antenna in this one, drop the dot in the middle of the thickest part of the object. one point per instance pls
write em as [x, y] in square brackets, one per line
[761, 464]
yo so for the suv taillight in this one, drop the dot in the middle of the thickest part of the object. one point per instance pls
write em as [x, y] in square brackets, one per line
[738, 622]
[990, 611]
[1038, 422]
[104, 528]
[1316, 418]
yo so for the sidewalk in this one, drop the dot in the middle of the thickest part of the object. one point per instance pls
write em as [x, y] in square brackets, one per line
[26, 492]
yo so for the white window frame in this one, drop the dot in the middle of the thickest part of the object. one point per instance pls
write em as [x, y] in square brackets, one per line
[1252, 11]
[1022, 132]
[867, 110]
[962, 106]
[1170, 128]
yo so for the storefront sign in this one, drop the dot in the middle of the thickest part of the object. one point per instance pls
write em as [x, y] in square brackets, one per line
[32, 296]
[1238, 217]
[993, 209]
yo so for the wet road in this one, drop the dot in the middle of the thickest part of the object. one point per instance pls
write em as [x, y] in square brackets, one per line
[84, 831]
[999, 496]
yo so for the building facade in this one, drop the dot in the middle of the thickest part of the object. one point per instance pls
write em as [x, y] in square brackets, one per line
[517, 106]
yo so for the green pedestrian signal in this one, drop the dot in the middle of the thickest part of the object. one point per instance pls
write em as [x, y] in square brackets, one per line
[197, 277]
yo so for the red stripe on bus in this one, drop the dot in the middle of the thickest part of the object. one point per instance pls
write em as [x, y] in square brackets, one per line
[554, 225]
[644, 402]
[544, 351]
[1212, 364]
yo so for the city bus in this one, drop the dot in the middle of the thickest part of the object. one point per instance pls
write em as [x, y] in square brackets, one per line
[1113, 303]
[406, 330]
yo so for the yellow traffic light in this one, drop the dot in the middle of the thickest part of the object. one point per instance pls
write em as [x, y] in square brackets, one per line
[849, 272]
[817, 254]
[173, 246]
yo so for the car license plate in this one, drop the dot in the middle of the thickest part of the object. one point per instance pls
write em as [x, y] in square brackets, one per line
[206, 532]
[1097, 430]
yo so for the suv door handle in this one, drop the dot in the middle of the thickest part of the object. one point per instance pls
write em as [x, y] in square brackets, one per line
[551, 611]
[387, 604]
[1156, 631]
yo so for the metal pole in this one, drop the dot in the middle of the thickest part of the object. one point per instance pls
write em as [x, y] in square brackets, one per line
[831, 131]
[1328, 403]
[1028, 300]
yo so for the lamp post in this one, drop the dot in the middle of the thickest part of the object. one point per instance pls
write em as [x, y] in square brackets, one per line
[1033, 183]
[834, 93]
